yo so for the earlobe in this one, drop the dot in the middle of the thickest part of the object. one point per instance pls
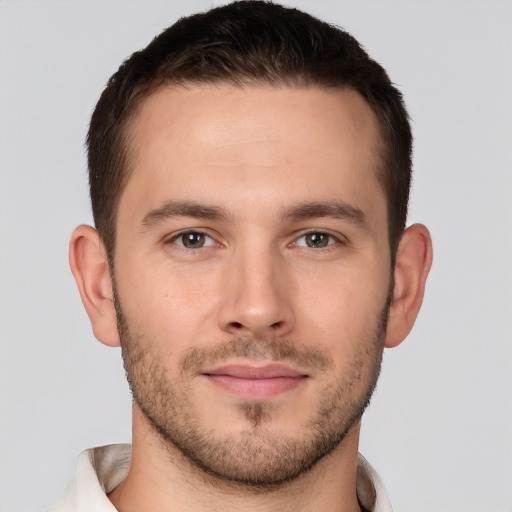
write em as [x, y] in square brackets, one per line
[413, 261]
[89, 265]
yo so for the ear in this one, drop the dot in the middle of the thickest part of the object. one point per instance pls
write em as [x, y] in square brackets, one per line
[413, 261]
[89, 264]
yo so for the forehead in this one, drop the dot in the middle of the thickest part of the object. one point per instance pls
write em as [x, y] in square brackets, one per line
[241, 141]
[224, 110]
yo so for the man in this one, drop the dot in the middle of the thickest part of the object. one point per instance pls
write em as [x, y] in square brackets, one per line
[249, 175]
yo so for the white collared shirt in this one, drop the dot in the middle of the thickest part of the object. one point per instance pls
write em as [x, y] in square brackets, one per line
[101, 470]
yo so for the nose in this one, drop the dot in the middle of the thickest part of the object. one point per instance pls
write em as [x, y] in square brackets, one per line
[256, 300]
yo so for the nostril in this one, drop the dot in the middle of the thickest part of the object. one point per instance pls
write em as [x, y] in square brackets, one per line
[237, 325]
[276, 325]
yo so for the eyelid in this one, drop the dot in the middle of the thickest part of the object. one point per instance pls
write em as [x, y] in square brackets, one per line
[171, 239]
[337, 237]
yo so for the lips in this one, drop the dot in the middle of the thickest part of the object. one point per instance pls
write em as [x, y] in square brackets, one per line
[253, 382]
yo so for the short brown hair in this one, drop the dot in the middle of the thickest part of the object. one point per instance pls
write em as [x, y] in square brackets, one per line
[247, 42]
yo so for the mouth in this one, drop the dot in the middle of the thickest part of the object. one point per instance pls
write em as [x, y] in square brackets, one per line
[255, 382]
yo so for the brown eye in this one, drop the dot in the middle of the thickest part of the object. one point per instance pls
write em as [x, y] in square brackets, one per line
[193, 240]
[317, 240]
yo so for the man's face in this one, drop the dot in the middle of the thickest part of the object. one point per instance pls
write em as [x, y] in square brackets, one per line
[252, 273]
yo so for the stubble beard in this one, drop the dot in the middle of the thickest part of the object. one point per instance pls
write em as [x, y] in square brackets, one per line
[259, 457]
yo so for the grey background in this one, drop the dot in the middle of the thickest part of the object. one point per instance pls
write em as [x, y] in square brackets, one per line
[439, 428]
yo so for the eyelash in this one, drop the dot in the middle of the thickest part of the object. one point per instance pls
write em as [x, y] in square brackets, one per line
[181, 234]
[332, 239]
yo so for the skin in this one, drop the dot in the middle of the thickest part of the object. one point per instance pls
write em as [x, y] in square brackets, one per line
[259, 154]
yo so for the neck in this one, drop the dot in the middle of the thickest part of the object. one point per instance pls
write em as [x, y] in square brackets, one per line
[161, 478]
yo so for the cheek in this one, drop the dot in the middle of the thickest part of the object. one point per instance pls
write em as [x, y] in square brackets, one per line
[166, 301]
[344, 308]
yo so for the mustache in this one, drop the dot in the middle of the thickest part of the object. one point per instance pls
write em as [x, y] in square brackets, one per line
[274, 349]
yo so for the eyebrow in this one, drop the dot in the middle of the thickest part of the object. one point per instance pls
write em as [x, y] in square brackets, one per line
[334, 209]
[183, 209]
[304, 211]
